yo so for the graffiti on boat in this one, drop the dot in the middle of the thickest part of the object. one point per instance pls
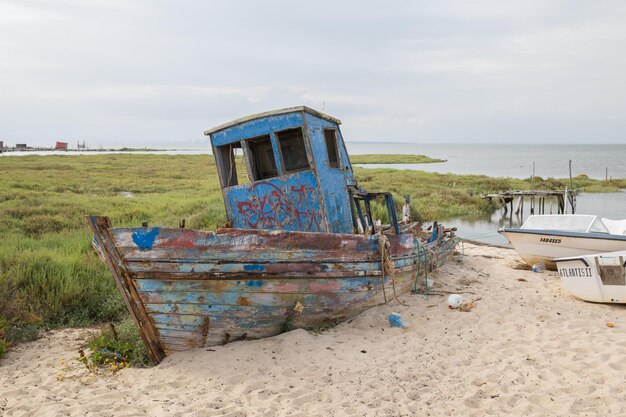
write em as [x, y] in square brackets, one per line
[270, 207]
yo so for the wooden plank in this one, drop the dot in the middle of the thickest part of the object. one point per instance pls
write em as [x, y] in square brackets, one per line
[252, 268]
[242, 255]
[318, 285]
[217, 310]
[195, 323]
[241, 314]
[101, 227]
[262, 276]
[176, 326]
[238, 245]
[256, 299]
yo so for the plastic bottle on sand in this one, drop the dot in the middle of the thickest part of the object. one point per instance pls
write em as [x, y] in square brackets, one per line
[454, 301]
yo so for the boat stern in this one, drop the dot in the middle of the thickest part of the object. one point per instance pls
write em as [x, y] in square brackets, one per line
[597, 278]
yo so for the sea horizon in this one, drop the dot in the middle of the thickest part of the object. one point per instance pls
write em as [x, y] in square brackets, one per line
[494, 160]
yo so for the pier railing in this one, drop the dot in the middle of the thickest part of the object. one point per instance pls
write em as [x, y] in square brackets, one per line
[565, 201]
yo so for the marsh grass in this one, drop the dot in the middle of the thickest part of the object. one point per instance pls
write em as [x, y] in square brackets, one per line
[49, 275]
[392, 159]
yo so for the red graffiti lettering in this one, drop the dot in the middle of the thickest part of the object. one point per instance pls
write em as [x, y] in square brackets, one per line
[271, 208]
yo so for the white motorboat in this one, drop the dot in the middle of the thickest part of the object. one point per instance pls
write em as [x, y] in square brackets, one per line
[600, 278]
[541, 239]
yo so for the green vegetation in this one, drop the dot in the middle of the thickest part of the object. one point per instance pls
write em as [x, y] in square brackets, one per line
[585, 184]
[49, 275]
[119, 345]
[4, 347]
[139, 150]
[441, 196]
[392, 159]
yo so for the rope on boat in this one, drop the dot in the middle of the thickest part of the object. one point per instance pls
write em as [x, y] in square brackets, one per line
[421, 248]
[386, 265]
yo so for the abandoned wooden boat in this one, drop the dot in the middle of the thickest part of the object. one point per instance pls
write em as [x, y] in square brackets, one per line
[543, 238]
[600, 278]
[301, 249]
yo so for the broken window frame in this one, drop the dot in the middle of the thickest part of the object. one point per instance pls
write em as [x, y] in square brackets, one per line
[361, 195]
[252, 160]
[279, 146]
[337, 161]
[227, 165]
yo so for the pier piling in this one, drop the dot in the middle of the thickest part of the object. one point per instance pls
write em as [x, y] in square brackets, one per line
[507, 200]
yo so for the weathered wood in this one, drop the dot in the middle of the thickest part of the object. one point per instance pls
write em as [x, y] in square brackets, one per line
[191, 296]
[244, 268]
[101, 227]
[318, 285]
[506, 198]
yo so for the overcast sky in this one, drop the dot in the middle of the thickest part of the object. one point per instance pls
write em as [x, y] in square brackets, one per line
[136, 73]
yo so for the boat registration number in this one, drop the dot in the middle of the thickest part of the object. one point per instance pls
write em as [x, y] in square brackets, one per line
[549, 240]
[575, 272]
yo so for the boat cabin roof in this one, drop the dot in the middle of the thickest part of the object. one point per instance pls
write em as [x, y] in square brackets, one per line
[266, 114]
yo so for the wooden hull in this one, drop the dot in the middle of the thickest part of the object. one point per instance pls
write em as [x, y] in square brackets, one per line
[542, 247]
[599, 278]
[188, 289]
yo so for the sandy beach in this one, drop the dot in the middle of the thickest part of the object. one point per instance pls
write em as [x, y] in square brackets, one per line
[527, 348]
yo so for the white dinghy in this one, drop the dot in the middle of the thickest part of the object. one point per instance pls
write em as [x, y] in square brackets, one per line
[599, 278]
[541, 239]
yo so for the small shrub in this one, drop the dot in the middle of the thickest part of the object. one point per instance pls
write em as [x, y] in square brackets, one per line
[22, 333]
[4, 347]
[325, 325]
[119, 344]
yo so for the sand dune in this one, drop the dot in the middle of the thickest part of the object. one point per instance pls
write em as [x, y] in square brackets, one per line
[528, 348]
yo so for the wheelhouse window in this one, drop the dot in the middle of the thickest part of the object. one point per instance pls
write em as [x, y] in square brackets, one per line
[292, 149]
[226, 161]
[331, 147]
[262, 161]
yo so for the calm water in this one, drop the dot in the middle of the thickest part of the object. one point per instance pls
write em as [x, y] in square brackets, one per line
[507, 160]
[610, 205]
[492, 160]
[515, 161]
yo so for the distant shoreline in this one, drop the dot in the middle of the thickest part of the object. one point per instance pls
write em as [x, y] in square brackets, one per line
[365, 159]
[373, 160]
[90, 150]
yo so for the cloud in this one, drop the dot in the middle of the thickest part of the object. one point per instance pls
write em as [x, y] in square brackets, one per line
[135, 72]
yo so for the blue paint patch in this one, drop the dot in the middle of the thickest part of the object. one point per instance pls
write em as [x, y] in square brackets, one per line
[332, 181]
[254, 267]
[255, 283]
[144, 239]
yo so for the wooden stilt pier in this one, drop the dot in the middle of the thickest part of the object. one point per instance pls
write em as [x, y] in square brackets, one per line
[566, 201]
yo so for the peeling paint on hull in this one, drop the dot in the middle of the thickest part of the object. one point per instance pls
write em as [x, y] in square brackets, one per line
[195, 288]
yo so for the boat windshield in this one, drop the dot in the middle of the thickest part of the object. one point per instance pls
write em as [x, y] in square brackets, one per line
[598, 227]
[571, 223]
